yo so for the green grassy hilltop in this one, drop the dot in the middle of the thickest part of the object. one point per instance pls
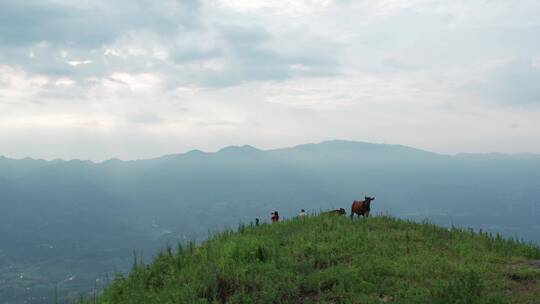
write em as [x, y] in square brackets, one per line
[330, 259]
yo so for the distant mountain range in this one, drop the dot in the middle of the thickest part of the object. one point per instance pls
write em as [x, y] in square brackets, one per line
[61, 219]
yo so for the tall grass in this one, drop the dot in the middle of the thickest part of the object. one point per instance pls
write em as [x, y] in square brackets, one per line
[331, 259]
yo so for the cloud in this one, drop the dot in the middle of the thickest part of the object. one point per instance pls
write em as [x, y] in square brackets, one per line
[145, 118]
[189, 42]
[56, 37]
[516, 82]
[251, 55]
[92, 23]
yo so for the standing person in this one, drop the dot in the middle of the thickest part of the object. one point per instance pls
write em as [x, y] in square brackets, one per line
[257, 221]
[275, 217]
[302, 213]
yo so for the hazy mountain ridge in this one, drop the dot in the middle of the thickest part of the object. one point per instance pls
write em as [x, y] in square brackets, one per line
[331, 145]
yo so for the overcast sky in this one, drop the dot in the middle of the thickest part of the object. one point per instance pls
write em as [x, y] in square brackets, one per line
[96, 79]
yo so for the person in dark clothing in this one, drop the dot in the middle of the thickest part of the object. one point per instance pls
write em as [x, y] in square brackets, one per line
[275, 217]
[257, 222]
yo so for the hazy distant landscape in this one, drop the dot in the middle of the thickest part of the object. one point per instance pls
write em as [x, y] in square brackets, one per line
[73, 224]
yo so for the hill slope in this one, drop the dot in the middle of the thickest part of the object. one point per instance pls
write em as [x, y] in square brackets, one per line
[327, 259]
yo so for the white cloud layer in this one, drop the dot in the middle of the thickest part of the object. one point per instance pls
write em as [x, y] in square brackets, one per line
[135, 79]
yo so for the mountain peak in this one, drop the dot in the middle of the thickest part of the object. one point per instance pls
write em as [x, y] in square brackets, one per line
[348, 145]
[195, 152]
[239, 149]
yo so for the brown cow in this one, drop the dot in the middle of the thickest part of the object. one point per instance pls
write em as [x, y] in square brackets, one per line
[339, 211]
[361, 207]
